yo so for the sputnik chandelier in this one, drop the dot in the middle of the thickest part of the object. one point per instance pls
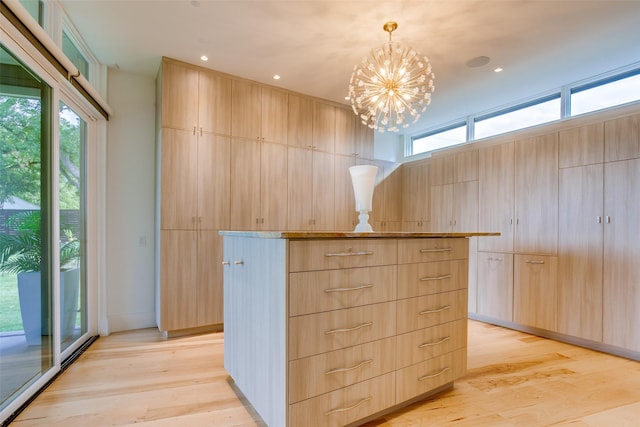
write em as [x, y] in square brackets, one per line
[391, 86]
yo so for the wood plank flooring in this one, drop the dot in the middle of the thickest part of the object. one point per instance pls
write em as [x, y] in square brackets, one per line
[513, 379]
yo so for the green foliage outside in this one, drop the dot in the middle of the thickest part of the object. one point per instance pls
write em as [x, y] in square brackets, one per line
[20, 167]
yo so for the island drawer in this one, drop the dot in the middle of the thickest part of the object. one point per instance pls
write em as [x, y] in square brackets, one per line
[313, 255]
[427, 343]
[320, 332]
[423, 377]
[422, 312]
[317, 291]
[427, 250]
[346, 405]
[315, 375]
[431, 277]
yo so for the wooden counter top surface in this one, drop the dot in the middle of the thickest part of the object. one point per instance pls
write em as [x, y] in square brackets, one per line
[345, 234]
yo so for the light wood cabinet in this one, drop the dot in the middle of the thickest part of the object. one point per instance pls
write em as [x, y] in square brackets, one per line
[275, 116]
[345, 134]
[300, 121]
[179, 91]
[495, 285]
[321, 307]
[535, 292]
[387, 198]
[536, 195]
[454, 207]
[311, 190]
[621, 303]
[324, 124]
[580, 249]
[258, 185]
[246, 110]
[496, 188]
[416, 192]
[622, 138]
[580, 146]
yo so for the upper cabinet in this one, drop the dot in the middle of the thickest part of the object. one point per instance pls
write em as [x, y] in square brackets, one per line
[581, 146]
[300, 121]
[622, 138]
[324, 123]
[246, 110]
[415, 191]
[275, 109]
[195, 100]
[346, 143]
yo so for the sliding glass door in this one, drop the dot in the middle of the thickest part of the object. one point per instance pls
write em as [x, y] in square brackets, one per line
[26, 279]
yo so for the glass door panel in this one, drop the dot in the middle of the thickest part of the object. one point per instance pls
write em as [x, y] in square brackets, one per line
[26, 323]
[73, 313]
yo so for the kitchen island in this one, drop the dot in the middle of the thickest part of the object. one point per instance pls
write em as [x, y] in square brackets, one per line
[336, 328]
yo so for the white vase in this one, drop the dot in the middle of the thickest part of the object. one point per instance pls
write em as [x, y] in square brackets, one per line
[363, 178]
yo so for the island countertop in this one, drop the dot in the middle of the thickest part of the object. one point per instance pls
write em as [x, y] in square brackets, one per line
[349, 234]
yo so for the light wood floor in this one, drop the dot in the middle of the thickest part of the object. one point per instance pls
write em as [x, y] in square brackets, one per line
[513, 379]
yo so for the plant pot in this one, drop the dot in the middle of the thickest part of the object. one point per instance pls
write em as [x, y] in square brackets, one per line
[29, 293]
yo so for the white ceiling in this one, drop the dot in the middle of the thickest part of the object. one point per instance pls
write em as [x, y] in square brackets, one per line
[313, 45]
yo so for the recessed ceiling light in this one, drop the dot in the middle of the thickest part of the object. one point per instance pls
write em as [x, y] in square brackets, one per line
[346, 98]
[276, 77]
[497, 70]
[204, 57]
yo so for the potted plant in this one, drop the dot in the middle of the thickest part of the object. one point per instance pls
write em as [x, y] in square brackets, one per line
[21, 254]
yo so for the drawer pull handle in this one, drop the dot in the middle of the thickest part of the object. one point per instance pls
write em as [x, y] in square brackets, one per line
[337, 370]
[437, 310]
[430, 344]
[529, 261]
[355, 328]
[435, 250]
[226, 263]
[426, 279]
[494, 259]
[349, 253]
[440, 372]
[338, 410]
[238, 262]
[357, 288]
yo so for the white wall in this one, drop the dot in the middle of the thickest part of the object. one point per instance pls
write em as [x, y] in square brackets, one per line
[388, 146]
[130, 294]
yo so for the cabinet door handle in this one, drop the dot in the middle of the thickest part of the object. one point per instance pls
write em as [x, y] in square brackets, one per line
[440, 372]
[426, 279]
[494, 259]
[356, 288]
[422, 251]
[355, 328]
[338, 410]
[599, 219]
[608, 219]
[241, 262]
[337, 370]
[349, 253]
[437, 310]
[431, 344]
[226, 263]
[530, 261]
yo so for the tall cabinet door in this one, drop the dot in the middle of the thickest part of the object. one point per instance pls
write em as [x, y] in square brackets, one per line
[246, 110]
[179, 96]
[214, 164]
[300, 189]
[214, 104]
[273, 187]
[178, 290]
[580, 240]
[621, 255]
[441, 207]
[323, 191]
[209, 278]
[536, 191]
[496, 196]
[178, 178]
[495, 290]
[245, 184]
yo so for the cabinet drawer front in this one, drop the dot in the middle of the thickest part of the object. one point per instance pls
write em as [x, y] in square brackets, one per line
[315, 375]
[345, 253]
[317, 333]
[346, 405]
[426, 250]
[422, 312]
[420, 378]
[417, 346]
[317, 291]
[432, 277]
